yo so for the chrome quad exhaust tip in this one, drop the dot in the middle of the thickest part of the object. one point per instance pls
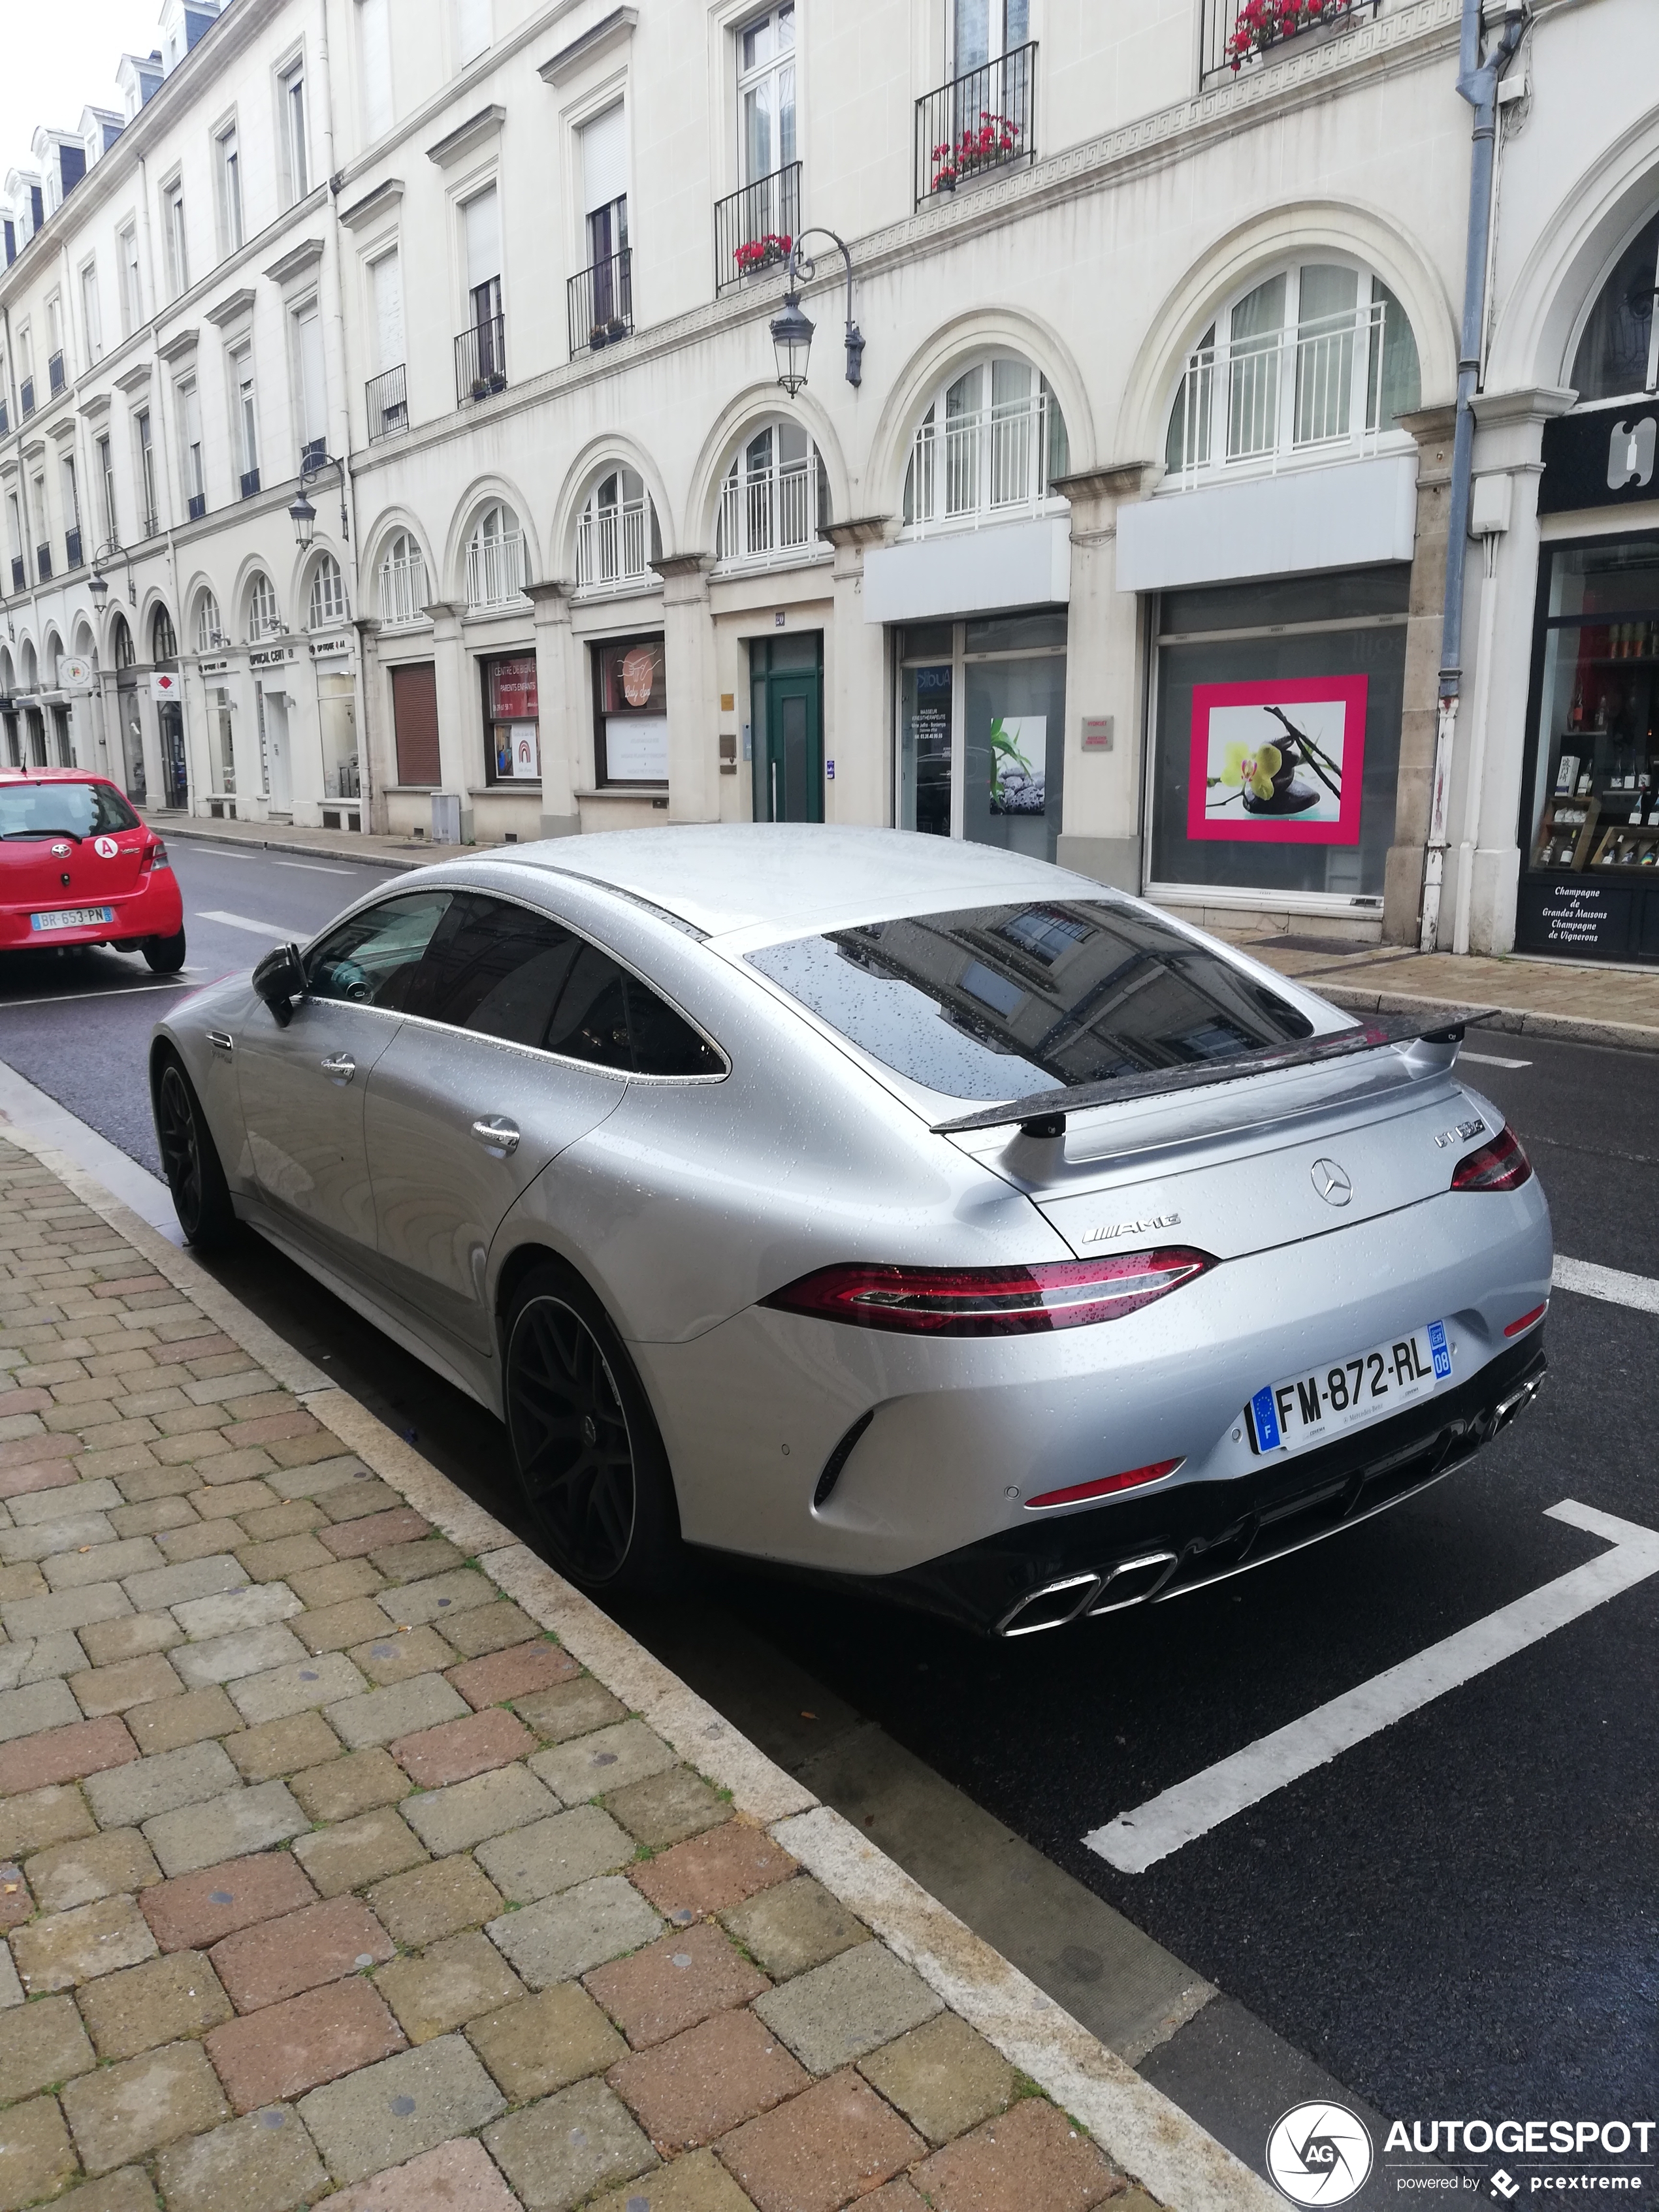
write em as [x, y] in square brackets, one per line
[1072, 1597]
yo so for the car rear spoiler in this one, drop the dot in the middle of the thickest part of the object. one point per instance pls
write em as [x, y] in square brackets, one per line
[1044, 1113]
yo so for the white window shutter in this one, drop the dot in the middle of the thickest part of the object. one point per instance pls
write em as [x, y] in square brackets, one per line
[388, 310]
[374, 53]
[604, 159]
[484, 239]
[313, 390]
[473, 29]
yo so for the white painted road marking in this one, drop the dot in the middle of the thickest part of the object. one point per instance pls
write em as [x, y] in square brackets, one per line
[316, 868]
[112, 991]
[1491, 1059]
[259, 928]
[1137, 1840]
[1641, 1292]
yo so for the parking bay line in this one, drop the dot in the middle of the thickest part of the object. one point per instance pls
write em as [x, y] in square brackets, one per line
[1491, 1059]
[279, 929]
[316, 868]
[1612, 1283]
[1137, 1840]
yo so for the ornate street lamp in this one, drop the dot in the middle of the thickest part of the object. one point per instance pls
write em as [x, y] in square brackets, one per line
[98, 582]
[792, 331]
[302, 513]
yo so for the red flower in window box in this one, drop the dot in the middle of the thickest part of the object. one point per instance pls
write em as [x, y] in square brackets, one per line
[762, 253]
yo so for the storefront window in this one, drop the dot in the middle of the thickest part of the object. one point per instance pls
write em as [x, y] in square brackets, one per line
[510, 716]
[1276, 750]
[630, 710]
[982, 735]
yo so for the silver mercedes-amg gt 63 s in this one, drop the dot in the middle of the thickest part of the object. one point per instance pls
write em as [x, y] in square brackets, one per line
[903, 1212]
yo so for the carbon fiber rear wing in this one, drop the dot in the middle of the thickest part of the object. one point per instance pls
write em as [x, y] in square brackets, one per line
[1044, 1113]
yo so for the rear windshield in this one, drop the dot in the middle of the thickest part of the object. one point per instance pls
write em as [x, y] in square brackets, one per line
[63, 810]
[999, 1002]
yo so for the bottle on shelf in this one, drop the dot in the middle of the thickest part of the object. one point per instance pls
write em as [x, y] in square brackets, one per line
[1576, 719]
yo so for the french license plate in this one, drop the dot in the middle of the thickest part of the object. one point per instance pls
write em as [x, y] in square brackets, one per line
[72, 917]
[1307, 1409]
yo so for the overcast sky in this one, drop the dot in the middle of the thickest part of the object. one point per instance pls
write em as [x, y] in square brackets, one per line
[61, 57]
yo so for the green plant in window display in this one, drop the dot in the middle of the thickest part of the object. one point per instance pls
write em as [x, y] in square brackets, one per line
[1017, 787]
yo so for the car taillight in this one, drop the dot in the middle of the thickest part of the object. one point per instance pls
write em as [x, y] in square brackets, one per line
[1500, 1165]
[156, 857]
[991, 1301]
[1132, 1479]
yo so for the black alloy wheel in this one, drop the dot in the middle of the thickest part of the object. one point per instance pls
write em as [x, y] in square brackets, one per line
[201, 1197]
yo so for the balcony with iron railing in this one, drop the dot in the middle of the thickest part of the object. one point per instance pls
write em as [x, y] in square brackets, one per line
[198, 505]
[72, 549]
[387, 403]
[19, 574]
[495, 572]
[481, 359]
[150, 526]
[988, 466]
[756, 226]
[771, 517]
[1312, 389]
[1239, 33]
[250, 482]
[55, 373]
[42, 563]
[403, 591]
[613, 547]
[600, 303]
[25, 396]
[977, 126]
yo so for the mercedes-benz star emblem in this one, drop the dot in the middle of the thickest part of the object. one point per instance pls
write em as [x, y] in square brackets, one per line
[590, 1429]
[1331, 1181]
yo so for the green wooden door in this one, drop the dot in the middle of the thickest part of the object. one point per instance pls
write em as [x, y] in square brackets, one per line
[788, 713]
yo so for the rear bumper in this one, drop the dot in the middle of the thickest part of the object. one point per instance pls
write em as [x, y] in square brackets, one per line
[155, 910]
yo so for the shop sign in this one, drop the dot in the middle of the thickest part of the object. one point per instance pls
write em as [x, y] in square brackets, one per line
[213, 667]
[75, 675]
[639, 673]
[164, 684]
[273, 656]
[1576, 916]
[330, 649]
[513, 690]
[1278, 764]
[1601, 459]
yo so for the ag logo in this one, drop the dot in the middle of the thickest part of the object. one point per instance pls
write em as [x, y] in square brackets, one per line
[1319, 2154]
[105, 847]
[1630, 453]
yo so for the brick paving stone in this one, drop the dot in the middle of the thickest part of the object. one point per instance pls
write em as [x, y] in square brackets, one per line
[246, 1819]
[284, 2050]
[795, 1926]
[389, 1654]
[556, 2152]
[196, 1909]
[243, 1651]
[90, 1498]
[312, 1472]
[25, 1581]
[351, 1539]
[140, 1485]
[128, 1796]
[581, 1928]
[665, 1808]
[170, 1723]
[713, 1872]
[490, 1628]
[608, 1760]
[1030, 2159]
[422, 1702]
[453, 1982]
[198, 1542]
[388, 2113]
[109, 1642]
[264, 2163]
[37, 1476]
[457, 1750]
[130, 1682]
[44, 1616]
[17, 1904]
[546, 2042]
[206, 1619]
[417, 1562]
[308, 1682]
[163, 2000]
[40, 1658]
[64, 1948]
[697, 2184]
[851, 2005]
[354, 1620]
[151, 1518]
[355, 1852]
[702, 2084]
[123, 2110]
[109, 1563]
[30, 1823]
[36, 2156]
[284, 1746]
[555, 1854]
[35, 1542]
[42, 1705]
[574, 1708]
[98, 1866]
[457, 2177]
[514, 1672]
[282, 1557]
[127, 2191]
[241, 1498]
[813, 2154]
[438, 1600]
[346, 1786]
[942, 2077]
[293, 1516]
[261, 1966]
[206, 1577]
[352, 1501]
[436, 1900]
[40, 2043]
[674, 1983]
[468, 1813]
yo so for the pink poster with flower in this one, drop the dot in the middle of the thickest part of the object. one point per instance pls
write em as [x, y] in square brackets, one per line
[1279, 763]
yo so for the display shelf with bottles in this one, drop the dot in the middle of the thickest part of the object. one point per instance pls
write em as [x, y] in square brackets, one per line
[1624, 847]
[1566, 832]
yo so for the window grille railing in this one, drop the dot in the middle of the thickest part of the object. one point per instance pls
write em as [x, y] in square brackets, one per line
[72, 548]
[250, 482]
[403, 591]
[150, 526]
[198, 504]
[613, 546]
[42, 563]
[755, 227]
[26, 395]
[1239, 32]
[314, 450]
[55, 373]
[1312, 387]
[495, 571]
[481, 359]
[980, 467]
[388, 403]
[600, 303]
[5, 420]
[977, 124]
[771, 517]
[19, 574]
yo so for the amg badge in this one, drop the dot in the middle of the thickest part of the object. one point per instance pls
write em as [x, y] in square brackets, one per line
[1113, 1229]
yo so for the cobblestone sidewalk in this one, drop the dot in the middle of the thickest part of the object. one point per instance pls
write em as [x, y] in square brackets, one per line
[331, 1874]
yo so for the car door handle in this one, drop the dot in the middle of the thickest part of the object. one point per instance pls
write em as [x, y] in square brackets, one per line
[497, 1134]
[339, 1067]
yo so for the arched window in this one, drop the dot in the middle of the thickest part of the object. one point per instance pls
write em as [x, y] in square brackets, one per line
[26, 664]
[209, 635]
[774, 501]
[263, 619]
[402, 582]
[991, 444]
[617, 534]
[54, 657]
[120, 643]
[163, 639]
[327, 603]
[494, 560]
[1316, 359]
[1617, 353]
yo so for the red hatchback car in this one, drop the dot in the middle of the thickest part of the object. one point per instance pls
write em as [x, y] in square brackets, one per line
[77, 867]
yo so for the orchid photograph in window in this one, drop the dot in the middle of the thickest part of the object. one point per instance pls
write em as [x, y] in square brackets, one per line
[1279, 763]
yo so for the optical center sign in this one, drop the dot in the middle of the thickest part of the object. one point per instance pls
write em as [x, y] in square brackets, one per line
[1278, 764]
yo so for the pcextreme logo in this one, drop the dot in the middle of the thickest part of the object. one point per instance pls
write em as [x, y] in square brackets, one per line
[1319, 2153]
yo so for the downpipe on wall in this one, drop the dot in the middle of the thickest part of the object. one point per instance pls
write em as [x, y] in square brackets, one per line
[1477, 81]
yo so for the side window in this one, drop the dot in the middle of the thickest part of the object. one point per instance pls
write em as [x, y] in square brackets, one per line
[371, 958]
[591, 1022]
[665, 1043]
[497, 970]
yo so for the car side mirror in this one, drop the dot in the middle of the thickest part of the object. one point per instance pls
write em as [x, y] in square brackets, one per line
[279, 979]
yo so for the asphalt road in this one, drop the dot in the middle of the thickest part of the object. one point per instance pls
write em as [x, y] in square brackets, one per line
[1459, 1915]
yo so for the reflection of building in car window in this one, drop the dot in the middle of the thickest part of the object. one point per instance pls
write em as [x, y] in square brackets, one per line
[63, 810]
[364, 958]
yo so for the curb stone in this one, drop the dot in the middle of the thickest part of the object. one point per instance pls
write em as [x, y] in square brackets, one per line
[1509, 1021]
[1147, 2136]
